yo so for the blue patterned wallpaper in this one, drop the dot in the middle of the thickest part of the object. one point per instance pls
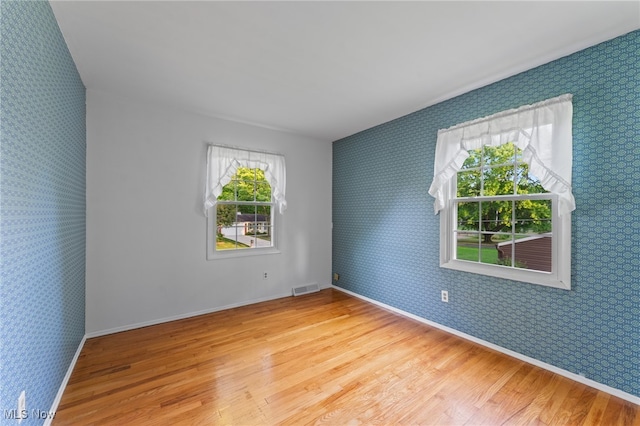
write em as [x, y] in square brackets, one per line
[42, 207]
[386, 237]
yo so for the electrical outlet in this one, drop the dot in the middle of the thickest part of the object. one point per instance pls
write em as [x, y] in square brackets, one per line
[265, 275]
[444, 296]
[22, 406]
[336, 276]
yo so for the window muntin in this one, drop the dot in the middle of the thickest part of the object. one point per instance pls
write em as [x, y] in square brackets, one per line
[244, 212]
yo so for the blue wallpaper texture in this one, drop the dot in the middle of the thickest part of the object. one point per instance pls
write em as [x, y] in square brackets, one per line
[386, 237]
[42, 208]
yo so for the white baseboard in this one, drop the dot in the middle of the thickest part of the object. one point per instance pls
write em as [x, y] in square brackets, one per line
[181, 316]
[65, 381]
[581, 379]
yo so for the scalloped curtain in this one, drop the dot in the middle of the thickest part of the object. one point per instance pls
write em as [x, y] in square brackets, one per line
[542, 131]
[222, 163]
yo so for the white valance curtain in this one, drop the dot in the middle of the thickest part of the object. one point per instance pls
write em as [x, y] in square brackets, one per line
[542, 131]
[222, 163]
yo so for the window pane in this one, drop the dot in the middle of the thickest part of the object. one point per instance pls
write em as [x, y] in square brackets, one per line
[248, 221]
[262, 226]
[533, 216]
[263, 236]
[496, 217]
[505, 253]
[528, 252]
[263, 191]
[468, 216]
[467, 247]
[264, 213]
[468, 183]
[488, 252]
[498, 180]
[225, 215]
[226, 231]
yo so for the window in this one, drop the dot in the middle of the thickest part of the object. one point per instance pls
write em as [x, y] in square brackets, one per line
[502, 187]
[503, 214]
[244, 191]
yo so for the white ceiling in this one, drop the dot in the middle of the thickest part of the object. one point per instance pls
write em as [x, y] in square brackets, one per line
[322, 69]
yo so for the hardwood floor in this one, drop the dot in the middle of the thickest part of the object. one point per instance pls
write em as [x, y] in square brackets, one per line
[325, 358]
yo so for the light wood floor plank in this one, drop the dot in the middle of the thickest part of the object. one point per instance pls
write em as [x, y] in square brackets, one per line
[325, 358]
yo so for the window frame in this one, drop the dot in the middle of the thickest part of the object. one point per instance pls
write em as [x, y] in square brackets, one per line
[560, 275]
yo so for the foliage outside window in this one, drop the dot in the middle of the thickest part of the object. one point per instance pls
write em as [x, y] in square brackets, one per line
[243, 212]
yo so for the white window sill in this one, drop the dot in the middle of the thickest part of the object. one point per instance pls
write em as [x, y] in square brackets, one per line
[229, 254]
[515, 274]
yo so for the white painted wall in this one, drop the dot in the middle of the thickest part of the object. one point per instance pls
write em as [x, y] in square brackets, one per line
[146, 242]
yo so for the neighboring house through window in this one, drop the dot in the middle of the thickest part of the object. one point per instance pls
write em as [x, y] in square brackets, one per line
[502, 186]
[244, 191]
